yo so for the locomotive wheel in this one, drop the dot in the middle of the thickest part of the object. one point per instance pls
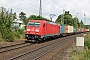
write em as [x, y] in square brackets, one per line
[43, 39]
[39, 40]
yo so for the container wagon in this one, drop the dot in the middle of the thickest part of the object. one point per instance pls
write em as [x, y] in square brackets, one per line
[62, 29]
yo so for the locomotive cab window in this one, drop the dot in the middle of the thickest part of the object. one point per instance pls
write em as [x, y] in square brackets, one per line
[34, 24]
[31, 24]
[37, 23]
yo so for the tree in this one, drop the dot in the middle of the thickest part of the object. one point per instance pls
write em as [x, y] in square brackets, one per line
[68, 20]
[59, 19]
[22, 16]
[81, 24]
[5, 25]
[65, 19]
[32, 17]
[14, 16]
[74, 22]
[35, 17]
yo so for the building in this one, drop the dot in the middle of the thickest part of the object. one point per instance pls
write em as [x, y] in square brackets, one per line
[18, 23]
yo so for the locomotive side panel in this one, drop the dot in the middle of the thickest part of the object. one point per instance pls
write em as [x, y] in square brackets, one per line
[52, 29]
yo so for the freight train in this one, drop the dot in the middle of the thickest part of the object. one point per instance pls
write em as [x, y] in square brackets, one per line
[40, 30]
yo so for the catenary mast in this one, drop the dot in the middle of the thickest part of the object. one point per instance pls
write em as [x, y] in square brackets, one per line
[40, 9]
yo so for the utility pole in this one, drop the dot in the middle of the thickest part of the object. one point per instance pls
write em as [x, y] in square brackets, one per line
[84, 19]
[63, 17]
[87, 22]
[40, 9]
[76, 21]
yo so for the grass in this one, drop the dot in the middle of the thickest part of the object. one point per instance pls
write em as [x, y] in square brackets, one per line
[85, 55]
[20, 37]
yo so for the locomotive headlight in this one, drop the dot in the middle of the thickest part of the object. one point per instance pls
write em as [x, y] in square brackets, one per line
[37, 30]
[28, 29]
[37, 33]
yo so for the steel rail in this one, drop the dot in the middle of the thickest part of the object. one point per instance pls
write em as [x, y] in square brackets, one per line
[16, 57]
[13, 47]
[62, 47]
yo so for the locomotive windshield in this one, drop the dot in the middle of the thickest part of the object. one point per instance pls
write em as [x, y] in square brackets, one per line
[34, 24]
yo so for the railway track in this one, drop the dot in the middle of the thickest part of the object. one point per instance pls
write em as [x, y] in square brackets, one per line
[35, 54]
[51, 54]
[13, 47]
[62, 46]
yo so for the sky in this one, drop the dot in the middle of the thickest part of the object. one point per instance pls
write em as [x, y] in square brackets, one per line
[79, 8]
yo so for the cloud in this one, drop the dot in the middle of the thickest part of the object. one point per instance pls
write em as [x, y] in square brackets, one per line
[49, 7]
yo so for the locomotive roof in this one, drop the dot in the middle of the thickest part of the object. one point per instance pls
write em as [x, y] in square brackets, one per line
[44, 21]
[51, 23]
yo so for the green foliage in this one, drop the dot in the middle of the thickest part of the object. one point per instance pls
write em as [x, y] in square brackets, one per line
[59, 19]
[17, 35]
[76, 22]
[18, 32]
[81, 24]
[14, 16]
[86, 55]
[10, 37]
[22, 16]
[67, 19]
[6, 33]
[87, 41]
[87, 26]
[5, 25]
[87, 47]
[34, 17]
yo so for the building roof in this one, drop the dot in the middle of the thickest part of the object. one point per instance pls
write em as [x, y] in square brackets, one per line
[17, 21]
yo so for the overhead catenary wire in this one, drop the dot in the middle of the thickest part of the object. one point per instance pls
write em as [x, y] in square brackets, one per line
[30, 4]
[36, 6]
[58, 4]
[62, 8]
[45, 12]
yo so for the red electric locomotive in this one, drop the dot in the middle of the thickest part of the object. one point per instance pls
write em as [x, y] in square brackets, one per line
[39, 30]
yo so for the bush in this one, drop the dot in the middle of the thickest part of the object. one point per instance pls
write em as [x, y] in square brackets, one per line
[10, 37]
[17, 35]
[6, 34]
[6, 19]
[87, 41]
[20, 31]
